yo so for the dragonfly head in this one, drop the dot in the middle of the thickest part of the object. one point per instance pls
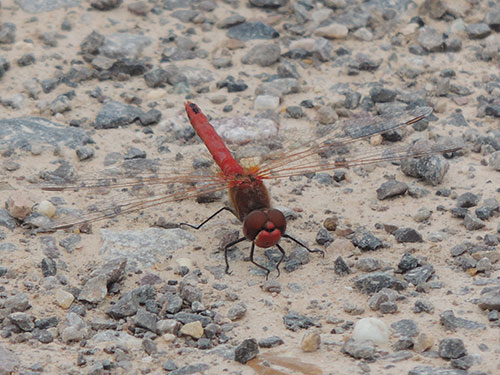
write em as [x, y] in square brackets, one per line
[265, 227]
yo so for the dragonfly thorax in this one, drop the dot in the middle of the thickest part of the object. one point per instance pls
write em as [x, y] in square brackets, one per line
[265, 227]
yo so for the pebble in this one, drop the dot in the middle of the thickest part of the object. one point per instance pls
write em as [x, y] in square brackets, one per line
[264, 102]
[405, 327]
[376, 281]
[252, 30]
[18, 206]
[310, 342]
[472, 222]
[422, 342]
[332, 31]
[365, 240]
[271, 342]
[391, 188]
[420, 274]
[237, 311]
[359, 349]
[423, 306]
[405, 235]
[467, 200]
[193, 329]
[490, 298]
[368, 264]
[371, 329]
[450, 348]
[340, 267]
[46, 208]
[247, 350]
[423, 214]
[262, 54]
[63, 298]
[294, 321]
[451, 322]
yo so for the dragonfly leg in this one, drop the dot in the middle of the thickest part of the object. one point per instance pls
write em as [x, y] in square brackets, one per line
[226, 248]
[268, 271]
[208, 219]
[282, 256]
[304, 246]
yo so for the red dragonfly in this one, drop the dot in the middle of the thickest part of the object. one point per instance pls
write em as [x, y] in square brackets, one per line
[263, 225]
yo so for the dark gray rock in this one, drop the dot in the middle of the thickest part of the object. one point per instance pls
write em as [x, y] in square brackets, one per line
[463, 363]
[43, 335]
[24, 321]
[472, 222]
[84, 153]
[451, 322]
[246, 351]
[359, 350]
[340, 267]
[268, 3]
[430, 168]
[294, 321]
[365, 240]
[405, 327]
[492, 19]
[365, 62]
[404, 235]
[22, 132]
[49, 267]
[420, 274]
[451, 348]
[478, 30]
[7, 33]
[156, 78]
[391, 188]
[6, 220]
[407, 262]
[423, 306]
[382, 95]
[388, 307]
[174, 304]
[488, 209]
[376, 281]
[467, 200]
[145, 319]
[185, 318]
[271, 342]
[115, 114]
[490, 298]
[252, 30]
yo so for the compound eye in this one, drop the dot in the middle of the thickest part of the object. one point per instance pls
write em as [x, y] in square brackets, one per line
[253, 224]
[277, 218]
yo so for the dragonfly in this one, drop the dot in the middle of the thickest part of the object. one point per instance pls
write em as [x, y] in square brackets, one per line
[262, 225]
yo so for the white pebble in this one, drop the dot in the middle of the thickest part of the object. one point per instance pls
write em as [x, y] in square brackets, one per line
[371, 329]
[46, 208]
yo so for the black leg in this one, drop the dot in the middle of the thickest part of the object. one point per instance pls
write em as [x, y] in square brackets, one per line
[230, 244]
[210, 218]
[257, 264]
[282, 256]
[304, 246]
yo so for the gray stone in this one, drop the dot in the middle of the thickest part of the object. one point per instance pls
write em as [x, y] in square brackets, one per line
[419, 275]
[294, 321]
[6, 220]
[451, 322]
[145, 319]
[365, 240]
[430, 168]
[467, 200]
[7, 33]
[340, 267]
[376, 281]
[115, 114]
[407, 262]
[451, 348]
[237, 311]
[23, 132]
[246, 351]
[391, 188]
[262, 54]
[423, 306]
[18, 302]
[24, 321]
[368, 264]
[46, 5]
[405, 327]
[271, 342]
[490, 298]
[252, 30]
[428, 370]
[478, 30]
[404, 235]
[359, 350]
[430, 39]
[472, 222]
[124, 45]
[195, 368]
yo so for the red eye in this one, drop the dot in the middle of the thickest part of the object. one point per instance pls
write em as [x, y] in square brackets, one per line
[277, 218]
[253, 224]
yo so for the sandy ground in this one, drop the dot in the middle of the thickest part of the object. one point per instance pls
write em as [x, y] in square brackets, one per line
[314, 289]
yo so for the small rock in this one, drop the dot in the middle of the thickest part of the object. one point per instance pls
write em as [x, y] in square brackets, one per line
[478, 30]
[467, 200]
[472, 222]
[451, 322]
[407, 262]
[420, 274]
[18, 206]
[193, 329]
[23, 321]
[271, 342]
[340, 267]
[310, 342]
[391, 188]
[376, 281]
[237, 311]
[422, 342]
[246, 351]
[365, 240]
[359, 350]
[423, 306]
[63, 298]
[262, 54]
[368, 264]
[407, 235]
[371, 329]
[405, 327]
[451, 348]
